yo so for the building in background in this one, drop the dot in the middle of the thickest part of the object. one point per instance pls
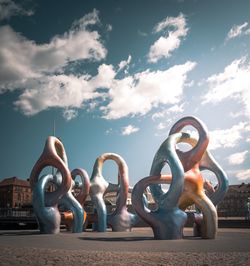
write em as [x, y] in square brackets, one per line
[15, 192]
[236, 202]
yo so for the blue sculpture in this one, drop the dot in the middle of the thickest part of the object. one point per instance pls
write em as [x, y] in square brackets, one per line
[168, 220]
[48, 217]
[75, 215]
[46, 203]
[120, 219]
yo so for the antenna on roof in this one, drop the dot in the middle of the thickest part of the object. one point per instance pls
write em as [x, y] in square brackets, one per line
[54, 134]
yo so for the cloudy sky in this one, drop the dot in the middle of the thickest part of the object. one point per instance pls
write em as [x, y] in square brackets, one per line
[116, 75]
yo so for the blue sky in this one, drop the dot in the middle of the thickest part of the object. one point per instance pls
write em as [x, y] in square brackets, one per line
[116, 75]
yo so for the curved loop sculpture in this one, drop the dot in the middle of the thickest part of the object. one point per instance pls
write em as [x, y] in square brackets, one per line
[202, 226]
[209, 163]
[55, 155]
[194, 189]
[48, 217]
[120, 219]
[46, 209]
[76, 217]
[84, 191]
[194, 194]
[168, 220]
[189, 158]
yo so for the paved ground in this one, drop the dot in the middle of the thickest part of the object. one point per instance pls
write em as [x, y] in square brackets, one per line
[231, 247]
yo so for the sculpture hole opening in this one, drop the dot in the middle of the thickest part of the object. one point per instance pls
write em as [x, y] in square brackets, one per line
[110, 171]
[210, 181]
[166, 171]
[78, 186]
[151, 204]
[49, 170]
[188, 144]
[110, 201]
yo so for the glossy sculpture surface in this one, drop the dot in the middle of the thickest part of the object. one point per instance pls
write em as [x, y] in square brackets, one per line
[187, 187]
[75, 217]
[168, 220]
[192, 192]
[120, 219]
[46, 203]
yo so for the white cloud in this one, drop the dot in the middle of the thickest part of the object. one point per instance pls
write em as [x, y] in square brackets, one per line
[69, 114]
[22, 59]
[227, 138]
[177, 108]
[88, 19]
[142, 33]
[9, 8]
[161, 126]
[30, 67]
[233, 83]
[243, 175]
[109, 27]
[128, 130]
[37, 72]
[237, 158]
[131, 95]
[63, 91]
[125, 63]
[109, 131]
[171, 40]
[238, 30]
[139, 93]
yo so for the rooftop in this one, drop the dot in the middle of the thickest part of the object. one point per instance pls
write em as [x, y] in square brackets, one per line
[14, 181]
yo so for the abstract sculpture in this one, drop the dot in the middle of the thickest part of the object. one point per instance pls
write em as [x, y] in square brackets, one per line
[168, 220]
[45, 204]
[73, 218]
[206, 224]
[192, 192]
[48, 216]
[216, 195]
[75, 213]
[120, 219]
[187, 187]
[209, 163]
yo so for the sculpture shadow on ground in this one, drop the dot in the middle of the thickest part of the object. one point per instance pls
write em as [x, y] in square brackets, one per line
[20, 233]
[118, 239]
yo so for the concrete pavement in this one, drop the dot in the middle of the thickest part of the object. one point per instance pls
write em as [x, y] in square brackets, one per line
[231, 247]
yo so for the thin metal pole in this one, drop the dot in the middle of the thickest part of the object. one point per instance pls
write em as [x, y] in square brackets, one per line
[54, 134]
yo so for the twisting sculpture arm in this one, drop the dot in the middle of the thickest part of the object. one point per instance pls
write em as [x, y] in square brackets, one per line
[77, 216]
[120, 219]
[168, 220]
[189, 158]
[209, 163]
[81, 197]
[53, 155]
[48, 217]
[192, 157]
[194, 194]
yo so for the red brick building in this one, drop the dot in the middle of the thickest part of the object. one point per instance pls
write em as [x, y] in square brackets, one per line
[15, 192]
